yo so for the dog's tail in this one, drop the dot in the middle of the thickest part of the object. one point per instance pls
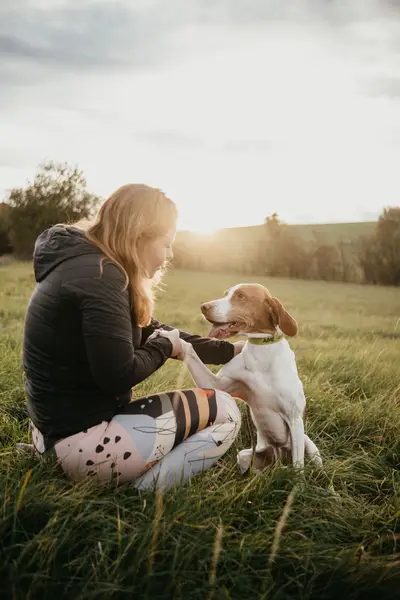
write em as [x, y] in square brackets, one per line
[296, 429]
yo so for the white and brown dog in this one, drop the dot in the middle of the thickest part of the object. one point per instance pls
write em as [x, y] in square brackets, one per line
[264, 374]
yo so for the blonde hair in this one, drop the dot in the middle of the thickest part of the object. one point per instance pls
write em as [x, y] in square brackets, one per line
[132, 214]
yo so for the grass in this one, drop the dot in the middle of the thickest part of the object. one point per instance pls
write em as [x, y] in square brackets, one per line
[224, 536]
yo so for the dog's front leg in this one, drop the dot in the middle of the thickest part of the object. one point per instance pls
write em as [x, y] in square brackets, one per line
[201, 374]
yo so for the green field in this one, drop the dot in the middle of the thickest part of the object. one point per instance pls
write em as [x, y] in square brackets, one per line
[213, 538]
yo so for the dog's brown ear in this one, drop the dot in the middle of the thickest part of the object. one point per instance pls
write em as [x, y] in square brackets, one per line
[284, 320]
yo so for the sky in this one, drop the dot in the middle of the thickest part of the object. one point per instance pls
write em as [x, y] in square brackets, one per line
[234, 108]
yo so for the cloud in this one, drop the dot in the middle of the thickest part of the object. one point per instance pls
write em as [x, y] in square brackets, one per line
[172, 138]
[106, 34]
[94, 35]
[40, 39]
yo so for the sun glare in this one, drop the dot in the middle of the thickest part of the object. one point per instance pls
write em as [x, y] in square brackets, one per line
[199, 224]
[204, 229]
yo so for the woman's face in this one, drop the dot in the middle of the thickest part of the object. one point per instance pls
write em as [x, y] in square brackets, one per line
[157, 251]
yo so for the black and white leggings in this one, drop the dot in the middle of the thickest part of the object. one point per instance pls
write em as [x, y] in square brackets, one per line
[155, 441]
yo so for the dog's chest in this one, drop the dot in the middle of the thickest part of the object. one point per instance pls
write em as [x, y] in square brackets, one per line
[273, 364]
[268, 372]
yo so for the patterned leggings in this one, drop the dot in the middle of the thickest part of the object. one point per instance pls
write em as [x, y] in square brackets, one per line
[155, 441]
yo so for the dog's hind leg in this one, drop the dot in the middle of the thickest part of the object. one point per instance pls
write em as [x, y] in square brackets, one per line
[312, 451]
[296, 428]
[244, 459]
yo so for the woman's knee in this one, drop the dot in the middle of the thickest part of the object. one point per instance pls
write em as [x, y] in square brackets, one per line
[104, 452]
[228, 406]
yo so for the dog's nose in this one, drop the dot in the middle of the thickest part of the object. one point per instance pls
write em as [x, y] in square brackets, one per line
[205, 307]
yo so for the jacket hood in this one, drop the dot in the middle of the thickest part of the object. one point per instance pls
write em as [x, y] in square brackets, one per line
[57, 244]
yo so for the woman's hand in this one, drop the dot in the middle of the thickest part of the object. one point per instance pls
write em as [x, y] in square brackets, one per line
[238, 347]
[180, 347]
[173, 336]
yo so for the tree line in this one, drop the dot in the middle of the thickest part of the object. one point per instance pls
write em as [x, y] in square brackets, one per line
[58, 194]
[280, 251]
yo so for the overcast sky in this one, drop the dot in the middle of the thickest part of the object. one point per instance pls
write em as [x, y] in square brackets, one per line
[234, 108]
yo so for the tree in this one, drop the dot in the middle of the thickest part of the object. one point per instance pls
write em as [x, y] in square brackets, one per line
[5, 244]
[379, 255]
[287, 253]
[273, 226]
[58, 194]
[327, 262]
[368, 259]
[388, 240]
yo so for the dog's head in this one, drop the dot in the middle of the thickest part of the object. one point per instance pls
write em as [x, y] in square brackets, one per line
[247, 308]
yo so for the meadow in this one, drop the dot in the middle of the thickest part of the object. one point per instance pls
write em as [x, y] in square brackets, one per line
[223, 536]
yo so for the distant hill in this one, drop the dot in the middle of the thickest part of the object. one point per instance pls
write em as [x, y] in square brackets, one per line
[326, 251]
[328, 233]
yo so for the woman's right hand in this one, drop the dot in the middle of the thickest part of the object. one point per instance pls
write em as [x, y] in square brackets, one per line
[173, 336]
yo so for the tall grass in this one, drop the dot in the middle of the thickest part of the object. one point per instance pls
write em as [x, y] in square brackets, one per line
[223, 535]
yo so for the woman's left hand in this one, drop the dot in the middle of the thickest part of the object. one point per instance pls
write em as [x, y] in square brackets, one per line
[238, 347]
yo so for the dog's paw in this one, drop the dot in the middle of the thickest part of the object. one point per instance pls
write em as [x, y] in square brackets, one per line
[154, 335]
[243, 459]
[335, 495]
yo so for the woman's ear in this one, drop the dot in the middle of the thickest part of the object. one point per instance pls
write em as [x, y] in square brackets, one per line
[285, 321]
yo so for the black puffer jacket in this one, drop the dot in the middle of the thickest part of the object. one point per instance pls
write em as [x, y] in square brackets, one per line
[82, 349]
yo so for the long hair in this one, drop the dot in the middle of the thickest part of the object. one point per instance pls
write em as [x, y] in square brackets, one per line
[133, 214]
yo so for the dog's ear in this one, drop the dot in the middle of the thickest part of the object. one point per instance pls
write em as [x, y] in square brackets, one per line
[284, 320]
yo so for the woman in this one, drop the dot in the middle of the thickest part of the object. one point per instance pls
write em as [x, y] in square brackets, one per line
[86, 345]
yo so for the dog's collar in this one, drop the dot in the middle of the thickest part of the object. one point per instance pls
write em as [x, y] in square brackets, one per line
[265, 340]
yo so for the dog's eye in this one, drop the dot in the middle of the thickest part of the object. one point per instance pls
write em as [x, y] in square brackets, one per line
[240, 295]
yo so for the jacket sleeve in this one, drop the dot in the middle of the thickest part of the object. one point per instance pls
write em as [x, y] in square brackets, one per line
[210, 351]
[107, 331]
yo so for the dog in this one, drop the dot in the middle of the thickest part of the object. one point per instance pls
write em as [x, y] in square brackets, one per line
[264, 374]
